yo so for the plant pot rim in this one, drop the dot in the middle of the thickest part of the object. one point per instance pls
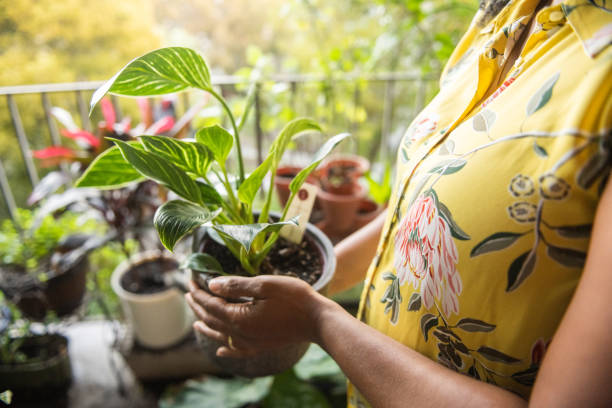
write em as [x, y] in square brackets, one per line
[129, 263]
[363, 164]
[39, 365]
[358, 194]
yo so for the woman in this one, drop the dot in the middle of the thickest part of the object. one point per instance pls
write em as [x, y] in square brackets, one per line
[481, 265]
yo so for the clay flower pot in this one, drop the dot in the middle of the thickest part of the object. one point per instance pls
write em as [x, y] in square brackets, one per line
[278, 360]
[340, 209]
[339, 173]
[159, 319]
[45, 375]
[284, 176]
[367, 211]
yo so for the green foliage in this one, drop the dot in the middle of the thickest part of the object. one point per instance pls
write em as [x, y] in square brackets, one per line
[380, 192]
[294, 388]
[28, 241]
[185, 167]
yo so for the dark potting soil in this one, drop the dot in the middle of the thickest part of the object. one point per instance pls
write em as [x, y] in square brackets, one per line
[302, 261]
[148, 277]
[341, 174]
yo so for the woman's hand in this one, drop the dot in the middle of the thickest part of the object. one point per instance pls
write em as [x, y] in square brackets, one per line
[283, 310]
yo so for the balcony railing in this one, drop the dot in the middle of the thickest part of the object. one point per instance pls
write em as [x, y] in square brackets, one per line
[420, 87]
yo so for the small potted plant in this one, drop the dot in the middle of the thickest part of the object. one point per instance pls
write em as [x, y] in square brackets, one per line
[43, 262]
[35, 367]
[237, 238]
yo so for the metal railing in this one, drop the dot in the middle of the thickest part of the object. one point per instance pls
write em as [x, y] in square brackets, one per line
[390, 82]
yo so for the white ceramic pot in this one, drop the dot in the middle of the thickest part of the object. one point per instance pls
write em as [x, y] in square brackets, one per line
[158, 320]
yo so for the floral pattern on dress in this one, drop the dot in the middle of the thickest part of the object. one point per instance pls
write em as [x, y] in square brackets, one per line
[426, 255]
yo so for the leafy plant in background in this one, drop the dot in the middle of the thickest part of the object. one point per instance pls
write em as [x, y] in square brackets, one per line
[197, 170]
[315, 382]
[380, 191]
[28, 242]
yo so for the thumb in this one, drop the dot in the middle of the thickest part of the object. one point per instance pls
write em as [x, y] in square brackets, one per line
[234, 287]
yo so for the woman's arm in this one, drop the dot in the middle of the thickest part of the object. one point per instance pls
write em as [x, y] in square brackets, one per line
[354, 255]
[575, 371]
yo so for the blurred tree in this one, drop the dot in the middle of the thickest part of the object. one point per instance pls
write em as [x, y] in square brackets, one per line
[44, 41]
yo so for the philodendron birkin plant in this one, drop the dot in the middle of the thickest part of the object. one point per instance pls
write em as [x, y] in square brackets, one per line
[196, 170]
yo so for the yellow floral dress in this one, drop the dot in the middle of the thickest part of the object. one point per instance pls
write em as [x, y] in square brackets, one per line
[489, 225]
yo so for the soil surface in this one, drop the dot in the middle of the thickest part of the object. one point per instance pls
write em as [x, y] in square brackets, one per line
[302, 261]
[148, 277]
[341, 174]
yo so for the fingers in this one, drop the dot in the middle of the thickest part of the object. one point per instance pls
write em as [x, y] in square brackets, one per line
[201, 327]
[234, 287]
[210, 319]
[234, 346]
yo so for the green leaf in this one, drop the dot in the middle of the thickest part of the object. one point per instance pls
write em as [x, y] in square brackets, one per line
[218, 140]
[189, 156]
[456, 230]
[325, 150]
[289, 391]
[216, 392]
[540, 151]
[157, 168]
[495, 242]
[495, 355]
[176, 218]
[159, 72]
[110, 170]
[475, 325]
[208, 194]
[449, 166]
[246, 234]
[520, 269]
[252, 184]
[428, 321]
[248, 189]
[574, 231]
[203, 263]
[567, 256]
[316, 364]
[542, 96]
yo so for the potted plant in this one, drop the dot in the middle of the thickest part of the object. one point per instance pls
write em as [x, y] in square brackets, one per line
[339, 173]
[43, 262]
[35, 367]
[238, 238]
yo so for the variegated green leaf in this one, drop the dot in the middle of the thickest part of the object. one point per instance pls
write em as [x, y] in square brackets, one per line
[158, 72]
[218, 140]
[203, 263]
[176, 218]
[110, 170]
[189, 156]
[246, 234]
[326, 149]
[156, 168]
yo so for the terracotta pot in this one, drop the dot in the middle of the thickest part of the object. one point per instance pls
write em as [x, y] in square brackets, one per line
[284, 176]
[367, 211]
[278, 360]
[61, 293]
[42, 379]
[350, 166]
[159, 319]
[340, 210]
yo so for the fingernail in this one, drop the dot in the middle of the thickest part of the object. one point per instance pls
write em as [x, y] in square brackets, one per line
[198, 325]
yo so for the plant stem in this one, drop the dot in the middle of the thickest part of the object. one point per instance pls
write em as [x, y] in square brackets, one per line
[236, 135]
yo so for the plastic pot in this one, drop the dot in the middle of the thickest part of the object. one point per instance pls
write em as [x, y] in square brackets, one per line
[38, 379]
[62, 293]
[350, 167]
[366, 212]
[278, 360]
[159, 319]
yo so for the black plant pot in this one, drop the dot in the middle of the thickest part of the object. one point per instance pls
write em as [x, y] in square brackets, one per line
[46, 375]
[278, 360]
